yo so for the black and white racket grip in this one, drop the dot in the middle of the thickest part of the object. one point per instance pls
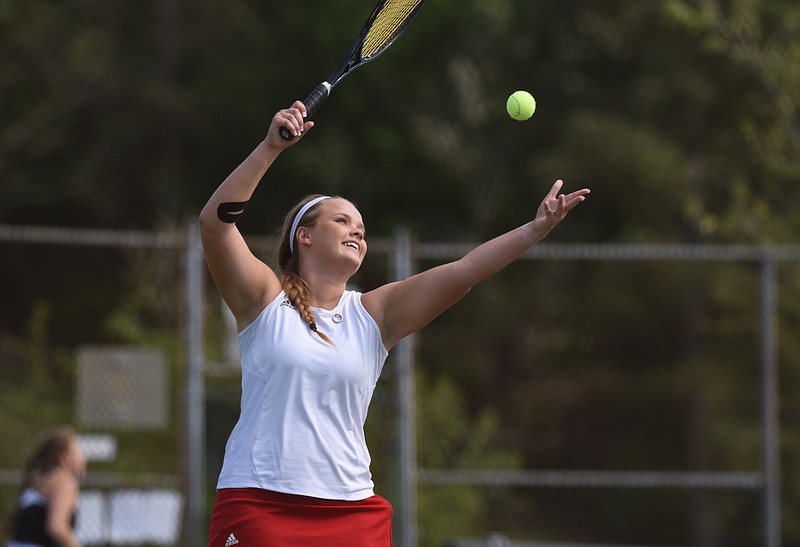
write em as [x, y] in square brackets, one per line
[312, 102]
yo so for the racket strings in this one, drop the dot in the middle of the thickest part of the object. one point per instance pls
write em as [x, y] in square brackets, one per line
[388, 24]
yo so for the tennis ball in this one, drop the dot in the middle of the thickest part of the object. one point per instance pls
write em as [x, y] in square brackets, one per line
[520, 105]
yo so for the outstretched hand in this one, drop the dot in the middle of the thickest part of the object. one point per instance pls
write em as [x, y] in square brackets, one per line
[553, 208]
[292, 118]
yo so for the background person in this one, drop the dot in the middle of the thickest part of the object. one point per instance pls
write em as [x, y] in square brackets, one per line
[45, 511]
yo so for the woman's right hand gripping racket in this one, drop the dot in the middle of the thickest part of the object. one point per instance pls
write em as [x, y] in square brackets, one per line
[384, 25]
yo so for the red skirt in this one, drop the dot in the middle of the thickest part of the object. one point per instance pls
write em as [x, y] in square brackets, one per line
[251, 517]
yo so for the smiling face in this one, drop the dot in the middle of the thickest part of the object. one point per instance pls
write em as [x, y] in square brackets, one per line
[338, 233]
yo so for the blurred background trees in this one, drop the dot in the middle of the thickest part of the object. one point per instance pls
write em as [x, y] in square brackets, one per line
[680, 115]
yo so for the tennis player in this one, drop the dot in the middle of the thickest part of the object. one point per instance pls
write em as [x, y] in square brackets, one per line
[296, 469]
[45, 513]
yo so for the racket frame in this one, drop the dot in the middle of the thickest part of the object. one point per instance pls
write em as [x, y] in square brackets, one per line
[352, 60]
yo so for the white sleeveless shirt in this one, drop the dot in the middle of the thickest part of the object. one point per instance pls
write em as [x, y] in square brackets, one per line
[304, 402]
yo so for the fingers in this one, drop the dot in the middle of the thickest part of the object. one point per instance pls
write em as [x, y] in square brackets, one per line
[575, 198]
[579, 193]
[555, 205]
[293, 119]
[554, 190]
[558, 205]
[569, 200]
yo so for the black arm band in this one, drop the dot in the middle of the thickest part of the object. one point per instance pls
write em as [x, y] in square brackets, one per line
[229, 212]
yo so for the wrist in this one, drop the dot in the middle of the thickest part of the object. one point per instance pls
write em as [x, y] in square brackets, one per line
[527, 235]
[267, 148]
[535, 231]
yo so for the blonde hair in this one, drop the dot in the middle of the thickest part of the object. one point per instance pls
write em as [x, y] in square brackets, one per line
[296, 289]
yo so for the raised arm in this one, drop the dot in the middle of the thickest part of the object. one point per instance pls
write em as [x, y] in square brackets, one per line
[404, 307]
[246, 283]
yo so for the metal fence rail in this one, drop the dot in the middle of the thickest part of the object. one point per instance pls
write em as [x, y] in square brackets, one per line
[592, 479]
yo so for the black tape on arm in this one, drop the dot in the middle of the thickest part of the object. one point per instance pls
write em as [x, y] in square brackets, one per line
[230, 212]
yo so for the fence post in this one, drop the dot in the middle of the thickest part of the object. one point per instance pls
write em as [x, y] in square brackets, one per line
[195, 525]
[770, 404]
[406, 400]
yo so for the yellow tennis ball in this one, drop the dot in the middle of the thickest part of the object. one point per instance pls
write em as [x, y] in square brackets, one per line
[520, 105]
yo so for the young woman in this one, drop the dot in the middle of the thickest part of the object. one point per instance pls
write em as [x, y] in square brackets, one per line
[45, 514]
[296, 468]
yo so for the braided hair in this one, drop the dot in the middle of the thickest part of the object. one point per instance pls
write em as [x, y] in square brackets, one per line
[296, 289]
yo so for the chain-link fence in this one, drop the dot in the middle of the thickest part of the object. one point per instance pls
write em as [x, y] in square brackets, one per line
[91, 337]
[586, 395]
[613, 395]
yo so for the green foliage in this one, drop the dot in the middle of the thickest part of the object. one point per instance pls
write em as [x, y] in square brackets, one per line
[758, 41]
[150, 105]
[680, 115]
[39, 373]
[37, 387]
[449, 437]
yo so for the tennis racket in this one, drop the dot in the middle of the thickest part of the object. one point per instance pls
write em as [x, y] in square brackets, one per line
[388, 20]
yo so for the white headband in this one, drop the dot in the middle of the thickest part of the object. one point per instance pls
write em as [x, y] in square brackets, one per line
[299, 216]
